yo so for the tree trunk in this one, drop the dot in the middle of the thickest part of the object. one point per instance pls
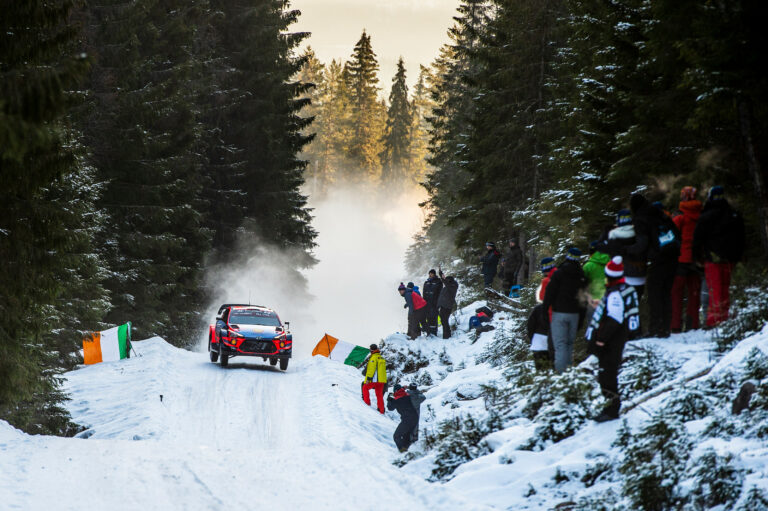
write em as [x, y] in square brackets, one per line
[753, 165]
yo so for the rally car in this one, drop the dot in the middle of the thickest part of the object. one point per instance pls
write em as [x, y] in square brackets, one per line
[250, 330]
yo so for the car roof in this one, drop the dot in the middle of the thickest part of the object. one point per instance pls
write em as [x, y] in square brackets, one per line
[242, 306]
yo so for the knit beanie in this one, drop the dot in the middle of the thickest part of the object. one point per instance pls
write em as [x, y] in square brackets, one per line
[716, 193]
[615, 268]
[547, 264]
[573, 254]
[374, 347]
[490, 244]
[688, 193]
[401, 287]
[623, 217]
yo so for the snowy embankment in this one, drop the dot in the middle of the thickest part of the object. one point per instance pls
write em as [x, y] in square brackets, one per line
[678, 382]
[249, 437]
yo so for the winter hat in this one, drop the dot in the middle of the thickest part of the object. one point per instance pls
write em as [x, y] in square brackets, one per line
[623, 217]
[410, 285]
[688, 193]
[401, 287]
[397, 387]
[490, 244]
[658, 205]
[716, 193]
[374, 347]
[547, 264]
[432, 272]
[573, 254]
[615, 268]
[593, 247]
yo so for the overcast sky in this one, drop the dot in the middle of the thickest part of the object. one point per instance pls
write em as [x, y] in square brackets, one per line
[414, 29]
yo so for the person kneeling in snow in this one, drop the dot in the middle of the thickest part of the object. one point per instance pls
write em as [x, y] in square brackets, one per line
[615, 319]
[375, 378]
[401, 401]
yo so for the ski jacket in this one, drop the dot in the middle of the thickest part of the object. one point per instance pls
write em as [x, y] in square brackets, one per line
[615, 317]
[413, 300]
[490, 263]
[594, 269]
[401, 401]
[447, 297]
[512, 261]
[657, 239]
[686, 221]
[416, 399]
[564, 288]
[719, 236]
[619, 240]
[542, 290]
[431, 290]
[376, 370]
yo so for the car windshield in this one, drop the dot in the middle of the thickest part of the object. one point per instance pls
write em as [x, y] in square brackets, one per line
[253, 317]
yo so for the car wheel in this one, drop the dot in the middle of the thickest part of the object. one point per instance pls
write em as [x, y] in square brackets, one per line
[213, 354]
[224, 360]
[283, 364]
[273, 361]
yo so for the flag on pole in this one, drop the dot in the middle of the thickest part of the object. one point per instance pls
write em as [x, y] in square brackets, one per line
[109, 345]
[347, 353]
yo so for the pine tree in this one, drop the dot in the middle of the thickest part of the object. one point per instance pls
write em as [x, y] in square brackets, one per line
[366, 111]
[423, 105]
[38, 72]
[153, 236]
[397, 149]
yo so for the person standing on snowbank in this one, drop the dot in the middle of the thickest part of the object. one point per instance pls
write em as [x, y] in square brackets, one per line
[688, 276]
[615, 318]
[513, 260]
[431, 293]
[416, 399]
[564, 294]
[719, 240]
[417, 310]
[400, 400]
[375, 378]
[446, 302]
[490, 263]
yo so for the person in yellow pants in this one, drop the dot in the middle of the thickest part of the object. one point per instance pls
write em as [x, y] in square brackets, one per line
[375, 378]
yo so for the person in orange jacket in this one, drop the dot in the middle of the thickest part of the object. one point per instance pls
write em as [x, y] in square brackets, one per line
[375, 378]
[688, 275]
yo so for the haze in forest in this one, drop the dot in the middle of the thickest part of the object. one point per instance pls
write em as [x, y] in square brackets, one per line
[412, 29]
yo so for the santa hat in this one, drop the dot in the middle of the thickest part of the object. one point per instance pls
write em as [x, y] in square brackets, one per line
[615, 268]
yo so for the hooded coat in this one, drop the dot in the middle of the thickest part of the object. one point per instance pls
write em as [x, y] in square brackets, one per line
[686, 221]
[564, 288]
[447, 297]
[719, 235]
[594, 269]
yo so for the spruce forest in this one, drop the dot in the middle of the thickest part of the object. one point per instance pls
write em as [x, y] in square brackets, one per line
[143, 141]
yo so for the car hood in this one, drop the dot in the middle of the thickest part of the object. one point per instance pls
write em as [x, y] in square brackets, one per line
[257, 331]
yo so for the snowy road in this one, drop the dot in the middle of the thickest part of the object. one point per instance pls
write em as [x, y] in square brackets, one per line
[249, 437]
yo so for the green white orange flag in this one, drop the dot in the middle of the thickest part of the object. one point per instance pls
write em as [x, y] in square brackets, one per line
[350, 354]
[106, 346]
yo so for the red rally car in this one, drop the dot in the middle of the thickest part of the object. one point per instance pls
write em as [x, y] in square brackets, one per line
[250, 330]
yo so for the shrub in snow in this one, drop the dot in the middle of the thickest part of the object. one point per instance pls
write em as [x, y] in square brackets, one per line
[654, 462]
[605, 501]
[756, 365]
[751, 314]
[756, 499]
[718, 482]
[689, 404]
[643, 369]
[509, 345]
[457, 441]
[603, 469]
[560, 405]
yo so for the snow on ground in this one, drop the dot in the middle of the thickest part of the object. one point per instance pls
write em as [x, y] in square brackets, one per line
[253, 437]
[248, 437]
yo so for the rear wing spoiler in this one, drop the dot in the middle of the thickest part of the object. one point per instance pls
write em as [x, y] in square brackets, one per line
[221, 309]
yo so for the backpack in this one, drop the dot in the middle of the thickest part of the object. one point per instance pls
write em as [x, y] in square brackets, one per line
[667, 237]
[418, 301]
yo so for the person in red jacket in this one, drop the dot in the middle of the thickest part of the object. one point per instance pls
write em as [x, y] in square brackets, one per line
[688, 277]
[417, 310]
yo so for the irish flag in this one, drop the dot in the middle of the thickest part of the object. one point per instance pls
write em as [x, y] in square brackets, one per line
[108, 345]
[350, 354]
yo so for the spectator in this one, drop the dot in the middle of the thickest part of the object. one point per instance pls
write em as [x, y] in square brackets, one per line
[417, 311]
[490, 263]
[564, 295]
[446, 302]
[619, 240]
[432, 288]
[401, 401]
[538, 334]
[416, 399]
[719, 240]
[656, 236]
[594, 269]
[375, 378]
[688, 276]
[513, 260]
[548, 268]
[615, 317]
[421, 319]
